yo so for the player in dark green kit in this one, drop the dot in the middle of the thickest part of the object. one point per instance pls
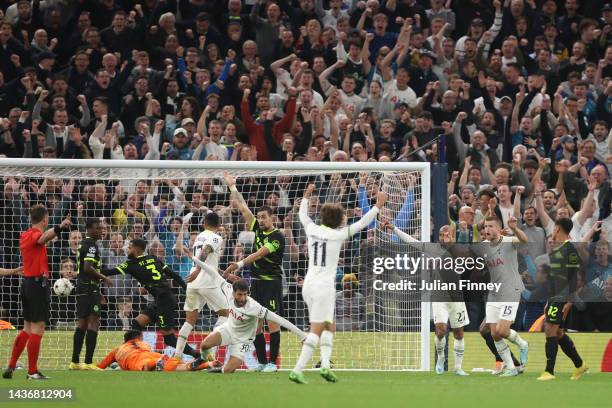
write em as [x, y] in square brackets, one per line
[565, 265]
[88, 296]
[266, 262]
[153, 275]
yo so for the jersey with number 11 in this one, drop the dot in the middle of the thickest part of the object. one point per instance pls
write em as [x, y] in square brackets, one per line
[325, 244]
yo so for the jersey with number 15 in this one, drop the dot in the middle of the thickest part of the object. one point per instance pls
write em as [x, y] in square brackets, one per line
[325, 244]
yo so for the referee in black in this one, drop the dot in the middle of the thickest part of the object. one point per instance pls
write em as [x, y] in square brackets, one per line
[565, 265]
[88, 297]
[266, 262]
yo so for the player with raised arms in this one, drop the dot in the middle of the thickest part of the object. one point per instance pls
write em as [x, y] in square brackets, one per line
[203, 287]
[238, 332]
[324, 245]
[266, 263]
[501, 253]
[447, 305]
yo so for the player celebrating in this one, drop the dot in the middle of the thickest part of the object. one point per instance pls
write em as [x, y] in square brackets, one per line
[565, 264]
[204, 287]
[266, 272]
[502, 306]
[452, 307]
[324, 245]
[239, 330]
[153, 274]
[136, 355]
[88, 297]
[35, 294]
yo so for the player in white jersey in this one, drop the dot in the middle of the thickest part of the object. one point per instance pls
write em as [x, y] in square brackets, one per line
[502, 261]
[324, 245]
[451, 309]
[238, 332]
[204, 286]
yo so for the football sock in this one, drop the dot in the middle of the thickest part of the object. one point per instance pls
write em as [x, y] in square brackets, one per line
[516, 339]
[440, 346]
[20, 343]
[552, 346]
[260, 348]
[491, 345]
[275, 346]
[91, 338]
[568, 347]
[182, 339]
[77, 344]
[327, 339]
[307, 350]
[504, 352]
[459, 346]
[33, 350]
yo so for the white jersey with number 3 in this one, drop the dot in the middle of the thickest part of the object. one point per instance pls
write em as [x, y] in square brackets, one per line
[204, 279]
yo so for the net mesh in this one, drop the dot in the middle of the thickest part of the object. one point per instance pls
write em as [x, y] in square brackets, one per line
[376, 329]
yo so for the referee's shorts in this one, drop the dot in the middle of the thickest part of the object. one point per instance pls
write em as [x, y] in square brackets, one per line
[35, 299]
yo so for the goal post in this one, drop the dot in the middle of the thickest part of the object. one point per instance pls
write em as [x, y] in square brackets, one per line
[377, 329]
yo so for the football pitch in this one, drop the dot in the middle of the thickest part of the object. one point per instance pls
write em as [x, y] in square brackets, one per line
[355, 389]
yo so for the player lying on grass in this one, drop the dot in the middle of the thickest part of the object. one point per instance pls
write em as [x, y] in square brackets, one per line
[239, 331]
[324, 244]
[447, 305]
[153, 274]
[136, 355]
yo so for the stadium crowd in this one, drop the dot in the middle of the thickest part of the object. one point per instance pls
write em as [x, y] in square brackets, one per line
[515, 96]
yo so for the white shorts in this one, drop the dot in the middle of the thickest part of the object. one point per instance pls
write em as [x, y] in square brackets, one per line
[235, 347]
[501, 311]
[216, 298]
[453, 311]
[321, 303]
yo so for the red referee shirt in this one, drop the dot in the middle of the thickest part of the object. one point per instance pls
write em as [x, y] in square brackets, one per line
[34, 255]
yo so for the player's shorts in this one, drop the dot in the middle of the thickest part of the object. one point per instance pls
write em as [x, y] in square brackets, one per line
[321, 302]
[269, 294]
[35, 299]
[453, 311]
[162, 312]
[216, 298]
[554, 313]
[88, 301]
[501, 311]
[236, 347]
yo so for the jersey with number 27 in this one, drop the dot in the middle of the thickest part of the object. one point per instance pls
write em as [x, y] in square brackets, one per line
[205, 279]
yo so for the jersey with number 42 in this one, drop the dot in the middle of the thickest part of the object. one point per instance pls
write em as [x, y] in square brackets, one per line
[325, 244]
[206, 279]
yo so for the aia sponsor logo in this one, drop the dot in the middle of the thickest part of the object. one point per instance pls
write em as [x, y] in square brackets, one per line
[237, 316]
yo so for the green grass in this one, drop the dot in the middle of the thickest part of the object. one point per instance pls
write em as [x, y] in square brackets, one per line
[355, 389]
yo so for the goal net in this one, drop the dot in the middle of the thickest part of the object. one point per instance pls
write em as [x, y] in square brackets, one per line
[377, 328]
